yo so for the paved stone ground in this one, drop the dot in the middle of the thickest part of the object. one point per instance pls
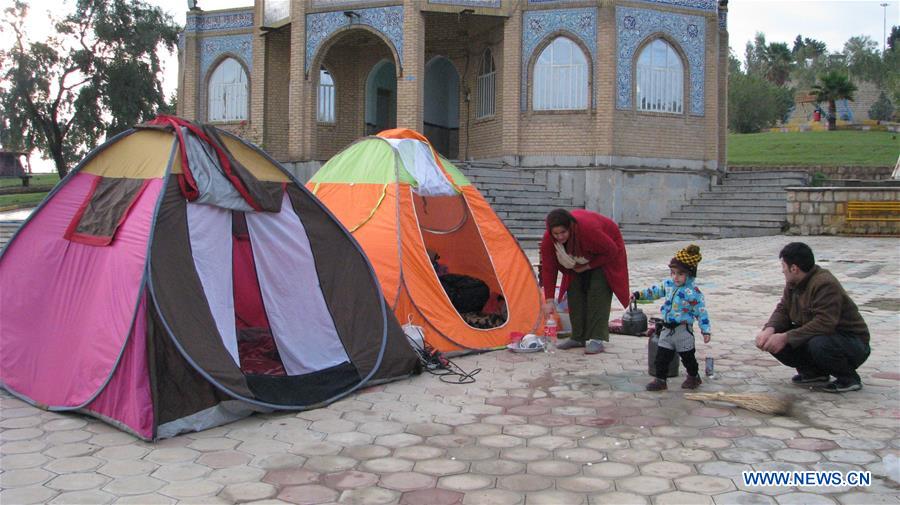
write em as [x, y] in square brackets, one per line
[534, 429]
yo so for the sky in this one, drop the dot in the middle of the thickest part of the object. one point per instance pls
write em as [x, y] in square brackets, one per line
[831, 21]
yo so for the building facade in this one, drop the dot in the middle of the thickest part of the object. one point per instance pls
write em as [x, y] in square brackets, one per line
[620, 105]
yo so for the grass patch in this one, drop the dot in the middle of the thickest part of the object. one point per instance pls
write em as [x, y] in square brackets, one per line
[21, 200]
[36, 180]
[827, 149]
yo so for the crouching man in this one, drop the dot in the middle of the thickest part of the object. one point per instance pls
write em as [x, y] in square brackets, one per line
[815, 328]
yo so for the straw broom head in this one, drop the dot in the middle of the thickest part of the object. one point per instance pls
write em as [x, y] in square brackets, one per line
[757, 402]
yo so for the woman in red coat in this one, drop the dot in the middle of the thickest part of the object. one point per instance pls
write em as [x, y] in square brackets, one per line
[589, 251]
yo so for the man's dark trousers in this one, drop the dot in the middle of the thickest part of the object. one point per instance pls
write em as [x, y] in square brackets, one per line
[834, 355]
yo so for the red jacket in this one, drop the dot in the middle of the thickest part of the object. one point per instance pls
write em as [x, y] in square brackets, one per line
[600, 242]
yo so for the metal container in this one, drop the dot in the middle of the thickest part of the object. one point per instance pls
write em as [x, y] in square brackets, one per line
[710, 371]
[634, 321]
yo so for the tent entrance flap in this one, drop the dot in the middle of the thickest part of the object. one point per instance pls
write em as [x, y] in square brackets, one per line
[453, 240]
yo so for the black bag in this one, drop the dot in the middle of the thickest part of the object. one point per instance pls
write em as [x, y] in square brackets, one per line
[467, 294]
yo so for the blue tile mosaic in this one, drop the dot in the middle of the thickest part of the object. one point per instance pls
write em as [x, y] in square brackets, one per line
[386, 20]
[469, 3]
[635, 26]
[211, 48]
[703, 5]
[723, 20]
[217, 22]
[537, 25]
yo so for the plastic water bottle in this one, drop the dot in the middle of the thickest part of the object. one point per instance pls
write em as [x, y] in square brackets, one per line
[550, 331]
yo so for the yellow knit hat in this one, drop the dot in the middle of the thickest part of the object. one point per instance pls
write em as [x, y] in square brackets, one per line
[687, 259]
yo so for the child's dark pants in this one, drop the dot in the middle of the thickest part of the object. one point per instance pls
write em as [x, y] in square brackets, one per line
[664, 357]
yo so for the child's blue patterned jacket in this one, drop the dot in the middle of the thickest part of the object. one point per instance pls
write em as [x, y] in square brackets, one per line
[684, 304]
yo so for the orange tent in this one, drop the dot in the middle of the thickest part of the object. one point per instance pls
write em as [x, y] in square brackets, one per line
[403, 203]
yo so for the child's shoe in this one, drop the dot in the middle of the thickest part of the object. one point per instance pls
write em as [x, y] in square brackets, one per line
[657, 385]
[692, 382]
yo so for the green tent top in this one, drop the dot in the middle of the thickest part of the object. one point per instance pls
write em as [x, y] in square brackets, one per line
[374, 160]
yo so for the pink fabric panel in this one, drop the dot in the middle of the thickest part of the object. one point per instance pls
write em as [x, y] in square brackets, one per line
[66, 308]
[126, 398]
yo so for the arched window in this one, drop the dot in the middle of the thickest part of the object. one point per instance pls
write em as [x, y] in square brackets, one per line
[326, 96]
[561, 77]
[660, 79]
[228, 92]
[486, 86]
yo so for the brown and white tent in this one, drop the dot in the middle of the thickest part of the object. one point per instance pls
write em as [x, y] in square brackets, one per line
[178, 279]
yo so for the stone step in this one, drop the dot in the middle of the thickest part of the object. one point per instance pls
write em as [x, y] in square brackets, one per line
[724, 221]
[514, 190]
[701, 231]
[780, 196]
[643, 238]
[7, 230]
[501, 177]
[747, 188]
[731, 202]
[756, 176]
[528, 201]
[769, 183]
[732, 215]
[537, 216]
[725, 205]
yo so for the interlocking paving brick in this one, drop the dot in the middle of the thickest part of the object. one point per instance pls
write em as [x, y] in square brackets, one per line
[24, 477]
[743, 498]
[365, 452]
[804, 499]
[666, 469]
[222, 459]
[369, 496]
[311, 449]
[128, 468]
[418, 452]
[308, 495]
[551, 497]
[525, 454]
[408, 481]
[620, 498]
[213, 444]
[493, 497]
[133, 485]
[20, 461]
[176, 455]
[644, 485]
[349, 438]
[291, 477]
[327, 464]
[432, 497]
[472, 453]
[247, 492]
[524, 483]
[498, 467]
[850, 456]
[236, 474]
[441, 466]
[682, 498]
[27, 495]
[349, 479]
[191, 489]
[129, 452]
[704, 484]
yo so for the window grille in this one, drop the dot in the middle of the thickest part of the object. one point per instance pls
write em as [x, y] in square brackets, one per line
[228, 92]
[561, 77]
[660, 79]
[485, 88]
[326, 97]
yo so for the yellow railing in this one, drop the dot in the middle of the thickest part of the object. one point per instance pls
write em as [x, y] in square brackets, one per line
[873, 211]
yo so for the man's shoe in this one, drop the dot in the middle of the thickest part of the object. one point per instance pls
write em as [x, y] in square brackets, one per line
[568, 344]
[657, 385]
[692, 382]
[803, 379]
[842, 386]
[593, 346]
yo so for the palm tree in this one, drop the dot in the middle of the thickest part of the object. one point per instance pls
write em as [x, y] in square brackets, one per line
[779, 63]
[832, 87]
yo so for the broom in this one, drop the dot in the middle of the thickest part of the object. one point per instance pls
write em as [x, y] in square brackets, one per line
[757, 402]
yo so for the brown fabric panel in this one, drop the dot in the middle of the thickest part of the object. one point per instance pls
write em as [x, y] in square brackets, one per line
[106, 209]
[179, 294]
[268, 195]
[177, 389]
[351, 293]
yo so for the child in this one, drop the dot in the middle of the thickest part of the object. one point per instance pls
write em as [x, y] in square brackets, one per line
[684, 303]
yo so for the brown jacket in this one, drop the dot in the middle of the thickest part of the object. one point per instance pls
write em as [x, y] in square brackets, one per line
[817, 305]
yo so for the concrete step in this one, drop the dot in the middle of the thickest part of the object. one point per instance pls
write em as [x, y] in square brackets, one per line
[524, 215]
[758, 176]
[779, 196]
[530, 200]
[690, 215]
[643, 238]
[725, 206]
[512, 190]
[501, 177]
[699, 231]
[724, 221]
[770, 183]
[7, 230]
[747, 188]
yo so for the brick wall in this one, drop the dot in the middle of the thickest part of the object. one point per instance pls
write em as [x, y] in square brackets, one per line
[823, 211]
[276, 98]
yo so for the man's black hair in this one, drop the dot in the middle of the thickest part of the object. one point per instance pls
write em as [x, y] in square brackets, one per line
[798, 253]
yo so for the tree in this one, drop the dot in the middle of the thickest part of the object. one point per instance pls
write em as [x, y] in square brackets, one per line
[755, 55]
[893, 37]
[882, 109]
[832, 87]
[779, 62]
[755, 103]
[63, 95]
[863, 60]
